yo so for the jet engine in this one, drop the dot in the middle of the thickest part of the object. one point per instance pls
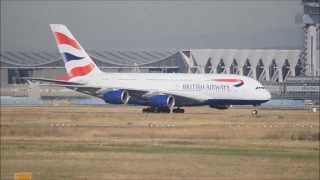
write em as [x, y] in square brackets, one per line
[162, 101]
[116, 97]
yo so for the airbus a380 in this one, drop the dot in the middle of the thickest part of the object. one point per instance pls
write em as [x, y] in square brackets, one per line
[160, 92]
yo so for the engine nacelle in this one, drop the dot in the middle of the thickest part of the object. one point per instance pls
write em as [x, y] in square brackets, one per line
[116, 97]
[162, 101]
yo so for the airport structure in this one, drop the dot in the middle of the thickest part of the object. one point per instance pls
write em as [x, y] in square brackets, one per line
[292, 74]
[311, 25]
[264, 65]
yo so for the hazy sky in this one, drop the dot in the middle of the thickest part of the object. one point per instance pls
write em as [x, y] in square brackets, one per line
[152, 25]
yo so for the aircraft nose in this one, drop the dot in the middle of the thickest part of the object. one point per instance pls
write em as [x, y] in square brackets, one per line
[267, 95]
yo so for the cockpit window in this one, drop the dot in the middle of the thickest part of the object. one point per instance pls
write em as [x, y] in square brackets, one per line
[260, 87]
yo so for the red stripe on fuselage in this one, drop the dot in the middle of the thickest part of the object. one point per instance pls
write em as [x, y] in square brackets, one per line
[63, 39]
[228, 80]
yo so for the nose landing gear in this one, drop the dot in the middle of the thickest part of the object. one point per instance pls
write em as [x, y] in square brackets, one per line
[254, 112]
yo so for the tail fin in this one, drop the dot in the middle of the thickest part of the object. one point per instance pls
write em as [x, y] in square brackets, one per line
[77, 61]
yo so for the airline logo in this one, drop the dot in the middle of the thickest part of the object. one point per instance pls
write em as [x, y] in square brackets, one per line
[82, 70]
[78, 71]
[77, 62]
[62, 39]
[238, 82]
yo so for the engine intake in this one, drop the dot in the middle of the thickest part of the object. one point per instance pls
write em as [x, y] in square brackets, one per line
[116, 97]
[162, 101]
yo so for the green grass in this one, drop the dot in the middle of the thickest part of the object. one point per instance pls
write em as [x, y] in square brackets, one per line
[204, 144]
[159, 149]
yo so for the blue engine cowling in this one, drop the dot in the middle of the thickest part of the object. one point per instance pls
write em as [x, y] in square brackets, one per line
[116, 97]
[162, 101]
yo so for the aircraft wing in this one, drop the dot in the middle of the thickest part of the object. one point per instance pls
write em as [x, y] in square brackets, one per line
[82, 88]
[98, 91]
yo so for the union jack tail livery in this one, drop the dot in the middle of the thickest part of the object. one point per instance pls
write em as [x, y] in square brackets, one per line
[77, 62]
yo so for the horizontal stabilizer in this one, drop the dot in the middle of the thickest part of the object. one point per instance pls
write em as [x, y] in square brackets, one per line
[51, 81]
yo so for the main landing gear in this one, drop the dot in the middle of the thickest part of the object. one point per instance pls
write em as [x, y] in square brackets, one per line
[161, 110]
[155, 110]
[178, 110]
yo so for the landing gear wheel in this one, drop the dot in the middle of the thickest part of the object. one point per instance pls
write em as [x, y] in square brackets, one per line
[254, 112]
[155, 110]
[167, 110]
[178, 110]
[146, 110]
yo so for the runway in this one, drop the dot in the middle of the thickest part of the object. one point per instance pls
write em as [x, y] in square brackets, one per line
[96, 142]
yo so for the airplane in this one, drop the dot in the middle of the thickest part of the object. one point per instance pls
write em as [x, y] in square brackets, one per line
[159, 92]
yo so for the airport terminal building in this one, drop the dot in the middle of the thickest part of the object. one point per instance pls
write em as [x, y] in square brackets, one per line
[261, 64]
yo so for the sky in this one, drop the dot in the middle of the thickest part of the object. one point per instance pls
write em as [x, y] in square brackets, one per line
[154, 25]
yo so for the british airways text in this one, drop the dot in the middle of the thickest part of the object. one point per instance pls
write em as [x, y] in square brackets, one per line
[210, 87]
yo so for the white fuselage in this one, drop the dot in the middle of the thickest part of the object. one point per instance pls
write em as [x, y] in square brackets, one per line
[202, 87]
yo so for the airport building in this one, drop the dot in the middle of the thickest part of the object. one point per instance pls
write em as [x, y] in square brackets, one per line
[264, 65]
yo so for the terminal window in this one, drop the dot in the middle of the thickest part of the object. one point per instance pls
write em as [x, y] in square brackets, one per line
[15, 76]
